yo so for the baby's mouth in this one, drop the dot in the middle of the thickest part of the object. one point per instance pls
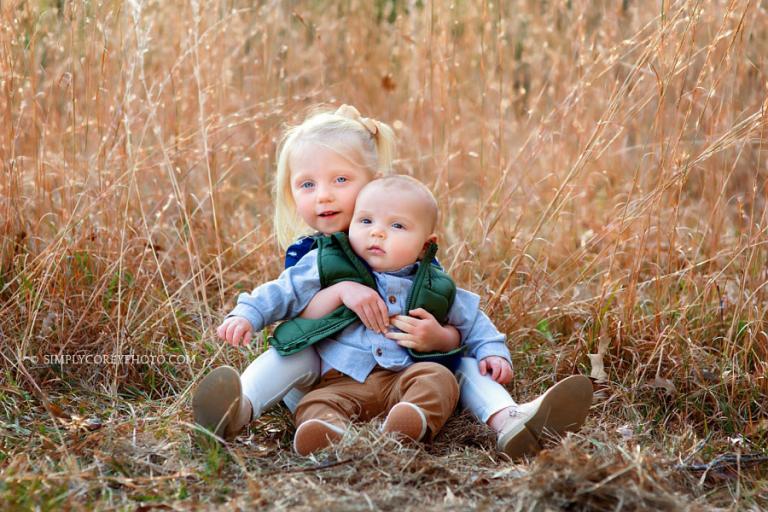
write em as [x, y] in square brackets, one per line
[375, 249]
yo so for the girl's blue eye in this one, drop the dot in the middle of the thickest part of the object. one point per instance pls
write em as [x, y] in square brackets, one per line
[342, 179]
[397, 225]
[307, 184]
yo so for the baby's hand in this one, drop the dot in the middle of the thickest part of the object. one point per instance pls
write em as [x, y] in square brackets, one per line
[367, 305]
[501, 370]
[235, 330]
[422, 332]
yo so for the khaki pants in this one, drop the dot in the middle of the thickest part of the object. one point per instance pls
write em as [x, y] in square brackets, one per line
[339, 399]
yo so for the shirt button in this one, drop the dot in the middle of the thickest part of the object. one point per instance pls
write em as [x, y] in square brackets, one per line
[379, 352]
[392, 299]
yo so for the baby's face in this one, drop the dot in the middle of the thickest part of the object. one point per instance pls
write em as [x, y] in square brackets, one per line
[389, 232]
[324, 186]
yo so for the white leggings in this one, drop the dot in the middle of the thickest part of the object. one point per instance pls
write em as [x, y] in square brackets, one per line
[271, 377]
[480, 394]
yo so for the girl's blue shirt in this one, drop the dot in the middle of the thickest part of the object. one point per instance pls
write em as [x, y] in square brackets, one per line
[298, 249]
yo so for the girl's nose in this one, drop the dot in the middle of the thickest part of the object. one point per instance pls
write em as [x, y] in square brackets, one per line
[324, 194]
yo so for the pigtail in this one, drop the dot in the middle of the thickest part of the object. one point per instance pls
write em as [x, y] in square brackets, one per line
[385, 148]
[383, 137]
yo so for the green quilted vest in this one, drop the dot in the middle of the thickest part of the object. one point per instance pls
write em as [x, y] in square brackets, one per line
[432, 290]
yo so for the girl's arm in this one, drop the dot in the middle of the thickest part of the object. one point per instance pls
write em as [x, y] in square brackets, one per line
[363, 300]
[478, 333]
[323, 303]
[285, 297]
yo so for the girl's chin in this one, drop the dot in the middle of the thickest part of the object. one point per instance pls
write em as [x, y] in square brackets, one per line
[330, 227]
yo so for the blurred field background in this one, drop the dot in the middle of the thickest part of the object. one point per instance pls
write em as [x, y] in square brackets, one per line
[601, 172]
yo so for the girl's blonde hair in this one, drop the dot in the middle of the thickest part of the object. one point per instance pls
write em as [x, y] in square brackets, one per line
[367, 142]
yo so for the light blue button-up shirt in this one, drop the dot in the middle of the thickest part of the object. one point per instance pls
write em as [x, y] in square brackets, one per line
[356, 350]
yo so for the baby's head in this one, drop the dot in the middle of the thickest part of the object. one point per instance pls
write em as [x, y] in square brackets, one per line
[323, 163]
[394, 221]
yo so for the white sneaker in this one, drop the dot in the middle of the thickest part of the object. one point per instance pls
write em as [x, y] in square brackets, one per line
[562, 408]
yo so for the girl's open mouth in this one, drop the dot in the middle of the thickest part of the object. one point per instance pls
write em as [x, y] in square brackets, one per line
[327, 214]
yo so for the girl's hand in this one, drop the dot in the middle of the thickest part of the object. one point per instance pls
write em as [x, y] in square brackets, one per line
[235, 330]
[367, 305]
[422, 333]
[499, 368]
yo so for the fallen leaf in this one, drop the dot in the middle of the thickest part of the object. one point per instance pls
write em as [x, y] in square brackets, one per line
[598, 367]
[388, 83]
[58, 412]
[92, 424]
[665, 384]
[509, 473]
[626, 432]
[596, 360]
[758, 426]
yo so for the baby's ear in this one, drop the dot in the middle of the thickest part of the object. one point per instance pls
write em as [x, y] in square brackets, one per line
[431, 238]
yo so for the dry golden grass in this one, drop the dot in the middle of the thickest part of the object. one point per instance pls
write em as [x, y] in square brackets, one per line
[602, 180]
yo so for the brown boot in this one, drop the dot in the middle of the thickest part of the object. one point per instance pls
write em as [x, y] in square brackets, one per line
[314, 435]
[407, 420]
[219, 404]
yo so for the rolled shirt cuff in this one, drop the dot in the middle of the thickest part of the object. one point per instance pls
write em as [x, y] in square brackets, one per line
[249, 313]
[492, 349]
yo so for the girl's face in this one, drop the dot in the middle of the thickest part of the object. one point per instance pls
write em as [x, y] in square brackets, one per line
[324, 186]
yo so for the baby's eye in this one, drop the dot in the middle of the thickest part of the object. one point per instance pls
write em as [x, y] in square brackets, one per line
[342, 179]
[306, 184]
[397, 225]
[365, 220]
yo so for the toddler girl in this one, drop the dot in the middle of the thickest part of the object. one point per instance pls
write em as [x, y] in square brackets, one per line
[322, 165]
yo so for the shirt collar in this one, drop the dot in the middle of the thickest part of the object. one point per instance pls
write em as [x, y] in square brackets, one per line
[404, 271]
